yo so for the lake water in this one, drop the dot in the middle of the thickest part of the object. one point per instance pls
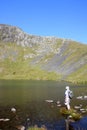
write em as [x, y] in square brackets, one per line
[29, 98]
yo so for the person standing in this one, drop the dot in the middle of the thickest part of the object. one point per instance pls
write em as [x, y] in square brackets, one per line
[67, 98]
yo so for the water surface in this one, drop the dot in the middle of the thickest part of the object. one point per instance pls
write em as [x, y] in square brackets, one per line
[28, 97]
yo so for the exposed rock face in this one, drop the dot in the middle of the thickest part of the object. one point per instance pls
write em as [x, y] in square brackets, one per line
[14, 34]
[50, 53]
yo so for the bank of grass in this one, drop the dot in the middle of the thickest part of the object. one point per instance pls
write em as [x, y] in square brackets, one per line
[80, 76]
[76, 51]
[36, 128]
[13, 64]
[22, 70]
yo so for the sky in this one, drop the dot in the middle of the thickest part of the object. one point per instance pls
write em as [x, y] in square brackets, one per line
[58, 18]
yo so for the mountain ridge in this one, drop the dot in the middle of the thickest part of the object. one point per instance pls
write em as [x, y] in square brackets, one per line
[50, 54]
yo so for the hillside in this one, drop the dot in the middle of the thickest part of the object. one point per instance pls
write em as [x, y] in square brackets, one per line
[24, 56]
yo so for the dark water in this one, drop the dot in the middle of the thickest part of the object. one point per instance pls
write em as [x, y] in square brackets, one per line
[28, 97]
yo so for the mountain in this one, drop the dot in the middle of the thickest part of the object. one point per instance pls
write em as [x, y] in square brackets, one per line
[25, 56]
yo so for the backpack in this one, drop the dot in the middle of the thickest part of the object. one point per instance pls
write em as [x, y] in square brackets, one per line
[70, 94]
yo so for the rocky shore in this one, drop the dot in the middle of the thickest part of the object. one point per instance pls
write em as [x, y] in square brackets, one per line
[15, 119]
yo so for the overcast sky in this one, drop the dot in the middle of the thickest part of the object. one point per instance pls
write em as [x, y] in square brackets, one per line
[60, 18]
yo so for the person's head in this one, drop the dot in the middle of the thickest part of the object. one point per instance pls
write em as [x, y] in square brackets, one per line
[67, 87]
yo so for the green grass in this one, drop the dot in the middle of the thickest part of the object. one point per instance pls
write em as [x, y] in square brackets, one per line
[80, 76]
[33, 128]
[13, 65]
[73, 113]
[76, 51]
[22, 70]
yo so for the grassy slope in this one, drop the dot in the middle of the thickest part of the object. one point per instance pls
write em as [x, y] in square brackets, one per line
[76, 51]
[80, 76]
[14, 66]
